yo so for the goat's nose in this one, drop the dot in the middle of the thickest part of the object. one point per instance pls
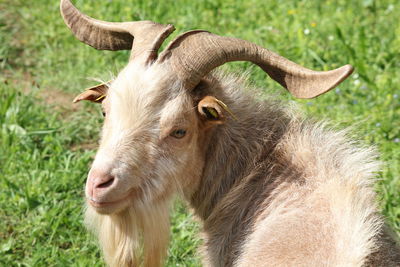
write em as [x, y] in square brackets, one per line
[103, 182]
[99, 182]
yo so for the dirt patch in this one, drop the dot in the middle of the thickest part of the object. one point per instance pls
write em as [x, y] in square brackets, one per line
[57, 101]
[84, 146]
[60, 100]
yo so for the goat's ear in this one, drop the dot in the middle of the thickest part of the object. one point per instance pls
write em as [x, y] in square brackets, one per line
[213, 110]
[94, 94]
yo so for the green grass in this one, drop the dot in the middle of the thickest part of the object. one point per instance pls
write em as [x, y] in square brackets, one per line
[46, 144]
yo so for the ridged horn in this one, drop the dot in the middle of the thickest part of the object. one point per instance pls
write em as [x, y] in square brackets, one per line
[143, 37]
[194, 54]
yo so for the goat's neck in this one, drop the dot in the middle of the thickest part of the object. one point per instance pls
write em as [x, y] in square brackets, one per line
[239, 166]
[234, 151]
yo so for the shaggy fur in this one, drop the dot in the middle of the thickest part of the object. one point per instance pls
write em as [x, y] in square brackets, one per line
[271, 188]
[291, 192]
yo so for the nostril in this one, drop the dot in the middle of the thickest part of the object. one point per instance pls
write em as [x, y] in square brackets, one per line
[105, 184]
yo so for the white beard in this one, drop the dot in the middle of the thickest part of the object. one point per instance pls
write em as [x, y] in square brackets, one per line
[136, 236]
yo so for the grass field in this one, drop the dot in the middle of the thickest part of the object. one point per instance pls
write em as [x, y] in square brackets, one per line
[47, 144]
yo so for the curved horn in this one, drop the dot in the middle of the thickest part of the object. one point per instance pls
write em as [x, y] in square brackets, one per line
[194, 54]
[140, 36]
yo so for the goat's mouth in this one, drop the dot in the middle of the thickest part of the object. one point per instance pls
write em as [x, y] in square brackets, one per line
[108, 207]
[98, 204]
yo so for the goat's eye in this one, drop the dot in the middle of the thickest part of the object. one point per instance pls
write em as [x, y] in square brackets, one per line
[178, 133]
[104, 114]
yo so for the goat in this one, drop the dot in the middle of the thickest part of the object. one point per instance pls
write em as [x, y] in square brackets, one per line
[271, 188]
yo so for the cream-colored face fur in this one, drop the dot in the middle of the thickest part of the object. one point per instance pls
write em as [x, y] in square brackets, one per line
[150, 141]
